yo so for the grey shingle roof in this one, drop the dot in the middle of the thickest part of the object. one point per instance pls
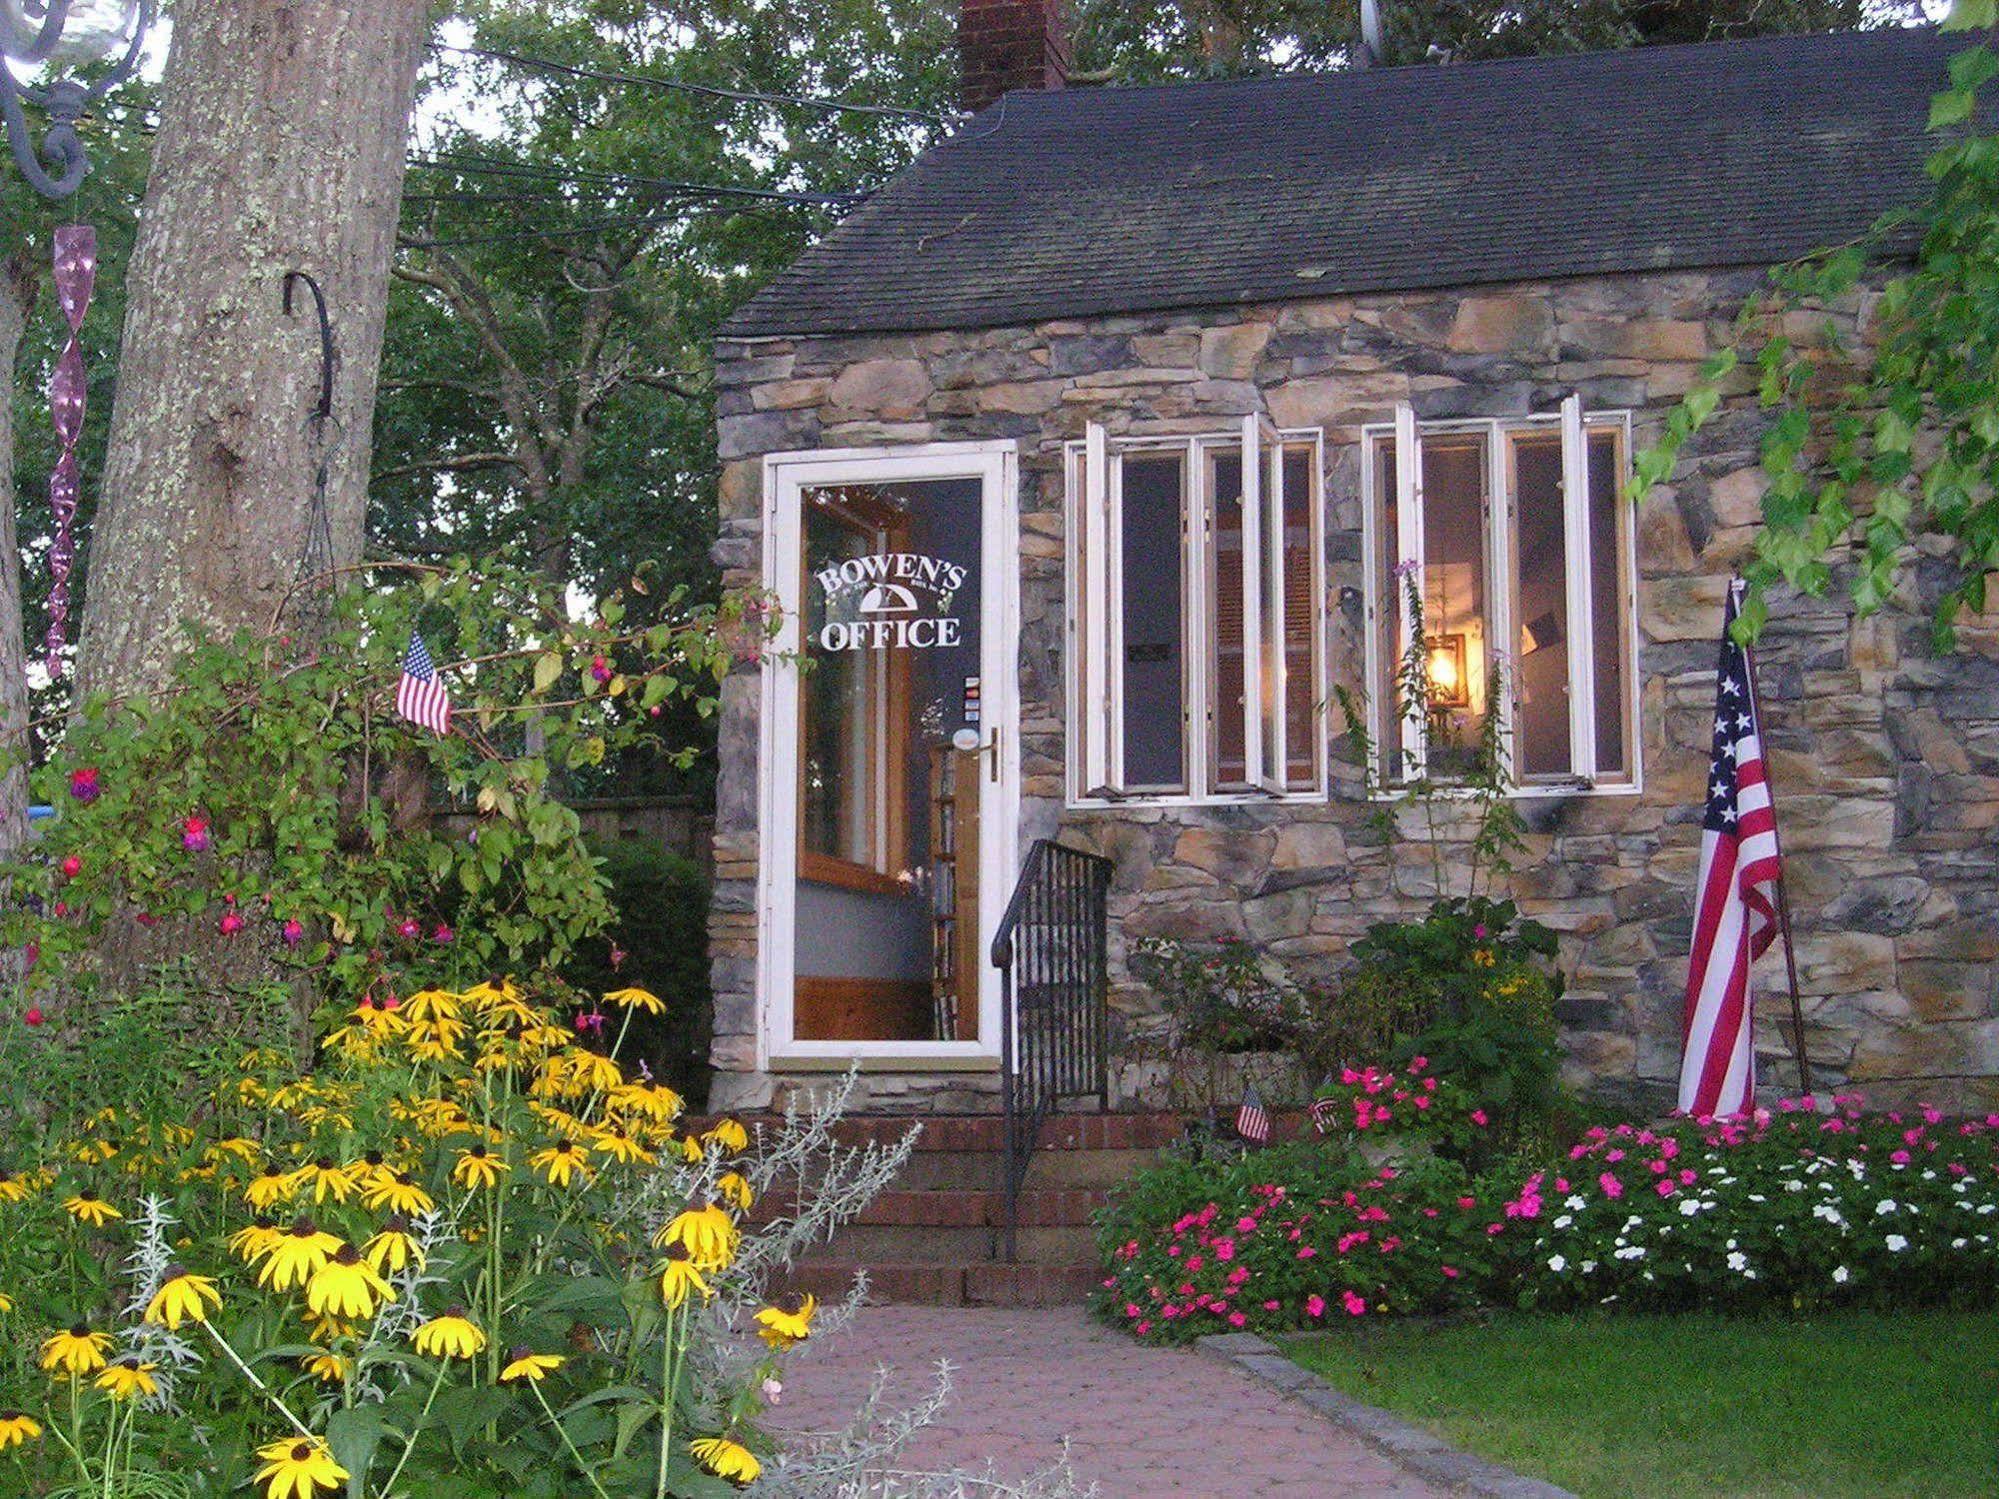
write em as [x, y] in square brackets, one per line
[1094, 201]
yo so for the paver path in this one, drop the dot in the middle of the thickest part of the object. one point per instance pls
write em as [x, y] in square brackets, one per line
[1141, 1421]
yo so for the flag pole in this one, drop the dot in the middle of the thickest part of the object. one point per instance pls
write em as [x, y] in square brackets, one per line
[1783, 893]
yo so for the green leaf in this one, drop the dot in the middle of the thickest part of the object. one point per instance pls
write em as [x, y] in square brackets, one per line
[1972, 15]
[354, 1434]
[1951, 107]
[547, 670]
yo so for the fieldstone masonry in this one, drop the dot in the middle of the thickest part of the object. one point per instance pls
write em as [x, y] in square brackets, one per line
[1885, 758]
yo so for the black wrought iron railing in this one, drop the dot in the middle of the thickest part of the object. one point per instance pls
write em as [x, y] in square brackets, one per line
[1054, 1021]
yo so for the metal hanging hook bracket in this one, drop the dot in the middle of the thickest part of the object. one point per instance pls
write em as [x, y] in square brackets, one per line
[328, 357]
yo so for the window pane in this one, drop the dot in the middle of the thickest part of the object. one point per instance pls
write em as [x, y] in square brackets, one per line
[1301, 718]
[1230, 767]
[1386, 721]
[1540, 552]
[1607, 547]
[1154, 655]
[845, 706]
[1454, 495]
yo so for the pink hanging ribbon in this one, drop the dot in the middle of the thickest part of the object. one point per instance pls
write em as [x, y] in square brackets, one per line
[69, 392]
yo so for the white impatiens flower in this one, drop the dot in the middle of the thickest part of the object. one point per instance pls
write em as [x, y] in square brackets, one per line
[1738, 1261]
[1896, 1243]
[1839, 1276]
[1589, 1267]
[1885, 1206]
[1794, 1185]
[1631, 1252]
[1689, 1207]
[1557, 1264]
[1828, 1212]
[1564, 1221]
[1574, 1203]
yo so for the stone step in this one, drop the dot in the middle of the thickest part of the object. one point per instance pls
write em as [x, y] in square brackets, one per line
[982, 1133]
[953, 1208]
[891, 1243]
[953, 1285]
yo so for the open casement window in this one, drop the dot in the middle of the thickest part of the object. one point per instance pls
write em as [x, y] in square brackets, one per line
[1514, 534]
[1196, 616]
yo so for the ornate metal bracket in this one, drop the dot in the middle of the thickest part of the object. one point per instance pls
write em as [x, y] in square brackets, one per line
[30, 33]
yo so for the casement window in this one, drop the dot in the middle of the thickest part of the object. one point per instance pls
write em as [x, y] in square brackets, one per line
[1523, 547]
[1196, 616]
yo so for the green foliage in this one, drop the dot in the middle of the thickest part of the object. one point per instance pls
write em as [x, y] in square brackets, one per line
[661, 930]
[272, 783]
[1218, 998]
[1881, 450]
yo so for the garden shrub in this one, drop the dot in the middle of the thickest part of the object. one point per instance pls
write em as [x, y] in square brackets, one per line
[659, 941]
[464, 1257]
[1791, 1209]
[1290, 1237]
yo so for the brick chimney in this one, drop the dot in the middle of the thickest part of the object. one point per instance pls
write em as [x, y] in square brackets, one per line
[1009, 44]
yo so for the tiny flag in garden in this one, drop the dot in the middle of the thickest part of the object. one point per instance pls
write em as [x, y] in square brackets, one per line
[1735, 918]
[420, 695]
[1252, 1120]
[1324, 1110]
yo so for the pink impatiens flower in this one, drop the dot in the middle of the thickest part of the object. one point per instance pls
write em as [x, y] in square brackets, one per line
[1315, 1306]
[1355, 1305]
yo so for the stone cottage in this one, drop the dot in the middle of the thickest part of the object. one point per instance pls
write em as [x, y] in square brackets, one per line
[1084, 460]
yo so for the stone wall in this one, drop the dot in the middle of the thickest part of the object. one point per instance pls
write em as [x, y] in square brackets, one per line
[1885, 760]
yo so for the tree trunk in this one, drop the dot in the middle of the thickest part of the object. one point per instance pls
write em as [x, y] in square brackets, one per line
[18, 282]
[283, 130]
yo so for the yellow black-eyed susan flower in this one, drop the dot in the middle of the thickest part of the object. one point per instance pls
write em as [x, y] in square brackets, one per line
[620, 1146]
[734, 1188]
[87, 1207]
[323, 1329]
[327, 1366]
[182, 1297]
[452, 1335]
[634, 998]
[326, 1178]
[478, 1167]
[347, 1286]
[561, 1162]
[727, 1134]
[128, 1379]
[524, 1363]
[433, 1004]
[726, 1459]
[679, 1276]
[77, 1350]
[398, 1193]
[254, 1240]
[299, 1468]
[392, 1249]
[15, 1188]
[297, 1256]
[17, 1429]
[648, 1100]
[269, 1188]
[787, 1320]
[707, 1230]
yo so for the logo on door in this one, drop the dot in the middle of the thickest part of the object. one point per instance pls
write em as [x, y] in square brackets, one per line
[891, 599]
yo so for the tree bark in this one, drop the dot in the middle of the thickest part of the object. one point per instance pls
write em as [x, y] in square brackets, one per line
[18, 282]
[283, 130]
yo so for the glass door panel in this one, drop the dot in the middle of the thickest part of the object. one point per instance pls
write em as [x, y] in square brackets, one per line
[893, 763]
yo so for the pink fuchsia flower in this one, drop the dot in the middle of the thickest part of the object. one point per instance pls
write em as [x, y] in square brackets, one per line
[230, 924]
[62, 908]
[1450, 1272]
[1315, 1306]
[83, 784]
[1479, 931]
[294, 932]
[72, 867]
[409, 927]
[443, 935]
[194, 834]
[1467, 1202]
[600, 668]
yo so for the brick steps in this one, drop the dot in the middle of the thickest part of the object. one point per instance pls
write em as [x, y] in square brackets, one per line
[980, 1284]
[936, 1238]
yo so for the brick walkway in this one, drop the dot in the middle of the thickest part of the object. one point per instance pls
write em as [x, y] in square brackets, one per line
[1141, 1421]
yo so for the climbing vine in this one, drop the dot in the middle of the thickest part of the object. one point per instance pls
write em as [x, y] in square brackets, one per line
[272, 796]
[1883, 447]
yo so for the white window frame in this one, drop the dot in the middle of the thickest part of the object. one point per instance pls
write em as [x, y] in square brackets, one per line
[1095, 654]
[1575, 426]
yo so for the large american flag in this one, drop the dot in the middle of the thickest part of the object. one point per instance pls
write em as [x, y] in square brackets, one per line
[420, 695]
[1735, 918]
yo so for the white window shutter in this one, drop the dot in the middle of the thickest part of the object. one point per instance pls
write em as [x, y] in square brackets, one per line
[1582, 622]
[1409, 562]
[1252, 598]
[1271, 661]
[1098, 601]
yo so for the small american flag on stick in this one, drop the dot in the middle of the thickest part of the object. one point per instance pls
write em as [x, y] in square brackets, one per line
[420, 695]
[1252, 1120]
[1735, 917]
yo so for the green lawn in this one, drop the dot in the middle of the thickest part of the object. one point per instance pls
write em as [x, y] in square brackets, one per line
[1852, 1405]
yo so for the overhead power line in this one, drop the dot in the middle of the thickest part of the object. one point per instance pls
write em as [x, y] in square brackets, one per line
[706, 90]
[453, 161]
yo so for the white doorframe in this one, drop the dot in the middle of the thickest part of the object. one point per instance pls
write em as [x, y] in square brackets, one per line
[786, 477]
